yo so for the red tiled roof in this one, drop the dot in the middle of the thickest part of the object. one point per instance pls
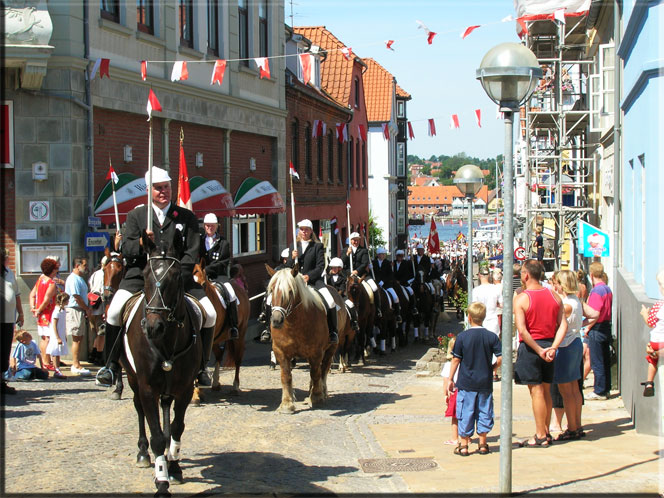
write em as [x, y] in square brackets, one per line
[379, 88]
[420, 181]
[441, 195]
[402, 93]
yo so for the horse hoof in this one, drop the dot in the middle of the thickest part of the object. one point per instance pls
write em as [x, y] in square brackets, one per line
[143, 461]
[162, 488]
[176, 479]
[287, 409]
[175, 472]
[235, 391]
[115, 395]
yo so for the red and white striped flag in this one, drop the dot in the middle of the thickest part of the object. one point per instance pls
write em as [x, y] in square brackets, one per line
[101, 65]
[153, 104]
[333, 221]
[347, 52]
[179, 72]
[218, 72]
[411, 135]
[306, 61]
[468, 31]
[432, 128]
[478, 117]
[362, 133]
[263, 67]
[292, 171]
[386, 131]
[348, 205]
[112, 175]
[454, 121]
[342, 132]
[319, 129]
[144, 70]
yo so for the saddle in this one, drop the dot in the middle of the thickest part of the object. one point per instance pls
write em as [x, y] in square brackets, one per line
[195, 309]
[369, 290]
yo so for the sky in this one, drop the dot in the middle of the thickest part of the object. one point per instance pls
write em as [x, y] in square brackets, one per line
[440, 77]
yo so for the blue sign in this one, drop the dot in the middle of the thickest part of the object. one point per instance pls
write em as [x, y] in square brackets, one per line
[94, 222]
[97, 241]
[592, 241]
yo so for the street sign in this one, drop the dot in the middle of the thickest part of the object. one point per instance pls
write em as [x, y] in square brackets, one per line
[520, 253]
[94, 221]
[96, 241]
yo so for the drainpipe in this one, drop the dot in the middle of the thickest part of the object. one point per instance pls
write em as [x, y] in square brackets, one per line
[227, 185]
[89, 114]
[617, 168]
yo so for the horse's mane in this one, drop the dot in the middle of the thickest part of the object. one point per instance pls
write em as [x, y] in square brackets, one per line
[284, 282]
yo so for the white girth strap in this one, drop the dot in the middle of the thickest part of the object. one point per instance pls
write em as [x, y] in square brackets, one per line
[350, 303]
[372, 284]
[389, 300]
[231, 292]
[174, 450]
[329, 300]
[369, 290]
[390, 292]
[132, 313]
[409, 289]
[160, 469]
[432, 289]
[221, 298]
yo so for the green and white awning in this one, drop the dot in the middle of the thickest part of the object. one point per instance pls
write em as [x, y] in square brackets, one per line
[258, 197]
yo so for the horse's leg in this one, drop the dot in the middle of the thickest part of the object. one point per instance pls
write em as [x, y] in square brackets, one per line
[315, 387]
[143, 457]
[218, 356]
[157, 440]
[238, 353]
[197, 395]
[325, 368]
[177, 428]
[116, 394]
[287, 398]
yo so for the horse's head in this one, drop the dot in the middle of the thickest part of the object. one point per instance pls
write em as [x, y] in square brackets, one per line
[419, 279]
[200, 277]
[354, 288]
[113, 269]
[164, 289]
[287, 290]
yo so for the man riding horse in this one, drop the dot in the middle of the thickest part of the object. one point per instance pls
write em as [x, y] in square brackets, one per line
[167, 219]
[403, 273]
[337, 278]
[360, 259]
[217, 253]
[384, 274]
[422, 262]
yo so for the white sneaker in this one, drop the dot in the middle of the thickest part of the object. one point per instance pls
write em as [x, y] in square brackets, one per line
[80, 371]
[594, 396]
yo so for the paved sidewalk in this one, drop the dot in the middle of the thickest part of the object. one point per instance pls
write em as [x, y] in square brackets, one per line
[612, 458]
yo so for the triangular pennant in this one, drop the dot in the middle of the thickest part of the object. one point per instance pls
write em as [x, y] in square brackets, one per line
[218, 72]
[454, 121]
[153, 104]
[388, 44]
[432, 128]
[292, 171]
[112, 175]
[411, 135]
[469, 30]
[386, 131]
[478, 117]
[263, 67]
[347, 52]
[184, 193]
[306, 61]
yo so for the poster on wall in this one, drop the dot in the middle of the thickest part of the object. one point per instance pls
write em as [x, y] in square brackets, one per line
[592, 242]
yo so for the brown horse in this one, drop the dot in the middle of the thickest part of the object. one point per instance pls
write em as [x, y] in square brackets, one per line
[456, 281]
[114, 271]
[235, 347]
[387, 324]
[366, 312]
[299, 329]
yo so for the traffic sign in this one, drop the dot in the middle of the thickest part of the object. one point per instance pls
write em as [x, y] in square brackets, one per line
[94, 221]
[520, 253]
[96, 241]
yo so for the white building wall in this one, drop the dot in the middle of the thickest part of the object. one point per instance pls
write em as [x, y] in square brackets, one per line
[379, 185]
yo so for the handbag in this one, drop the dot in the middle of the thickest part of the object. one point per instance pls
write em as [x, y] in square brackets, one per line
[94, 299]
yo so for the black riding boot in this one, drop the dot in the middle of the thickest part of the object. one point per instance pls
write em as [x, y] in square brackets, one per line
[265, 335]
[379, 313]
[397, 311]
[232, 320]
[354, 324]
[206, 338]
[108, 375]
[332, 325]
[414, 311]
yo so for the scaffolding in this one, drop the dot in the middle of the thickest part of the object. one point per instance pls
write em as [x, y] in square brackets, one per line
[557, 160]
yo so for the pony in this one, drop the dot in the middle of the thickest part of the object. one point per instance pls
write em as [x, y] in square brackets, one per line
[456, 281]
[387, 324]
[366, 312]
[406, 303]
[298, 326]
[438, 304]
[424, 304]
[221, 335]
[161, 357]
[114, 270]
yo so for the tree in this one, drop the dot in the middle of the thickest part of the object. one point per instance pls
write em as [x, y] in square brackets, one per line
[375, 233]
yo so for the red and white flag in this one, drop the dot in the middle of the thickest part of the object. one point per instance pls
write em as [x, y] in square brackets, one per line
[319, 129]
[179, 72]
[292, 171]
[433, 244]
[411, 135]
[362, 132]
[144, 70]
[469, 30]
[559, 15]
[460, 223]
[430, 37]
[478, 117]
[306, 61]
[263, 67]
[184, 194]
[454, 121]
[386, 130]
[524, 28]
[218, 72]
[348, 205]
[112, 175]
[388, 44]
[101, 65]
[336, 231]
[432, 128]
[333, 221]
[342, 132]
[499, 115]
[347, 52]
[153, 104]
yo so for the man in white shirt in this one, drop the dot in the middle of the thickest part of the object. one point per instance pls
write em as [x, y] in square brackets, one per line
[491, 296]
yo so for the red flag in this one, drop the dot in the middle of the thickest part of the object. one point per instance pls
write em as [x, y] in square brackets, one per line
[348, 52]
[432, 128]
[388, 44]
[454, 121]
[411, 135]
[468, 31]
[386, 131]
[342, 132]
[319, 129]
[112, 175]
[103, 68]
[347, 204]
[306, 60]
[218, 72]
[320, 232]
[184, 194]
[478, 117]
[433, 245]
[430, 37]
[524, 28]
[363, 132]
[144, 70]
[333, 221]
[153, 104]
[292, 171]
[263, 67]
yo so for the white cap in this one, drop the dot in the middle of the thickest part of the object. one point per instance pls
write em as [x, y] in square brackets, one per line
[284, 253]
[381, 250]
[354, 235]
[158, 175]
[419, 246]
[210, 218]
[336, 262]
[306, 223]
[399, 252]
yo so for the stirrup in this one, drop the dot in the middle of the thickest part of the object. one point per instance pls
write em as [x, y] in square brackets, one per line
[334, 338]
[101, 371]
[235, 333]
[266, 336]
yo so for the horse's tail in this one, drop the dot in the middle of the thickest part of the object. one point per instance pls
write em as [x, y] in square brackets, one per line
[229, 359]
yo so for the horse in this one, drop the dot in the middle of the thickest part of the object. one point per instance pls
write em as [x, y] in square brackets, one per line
[456, 281]
[221, 335]
[424, 304]
[299, 329]
[387, 324]
[406, 304]
[114, 270]
[366, 312]
[438, 304]
[161, 357]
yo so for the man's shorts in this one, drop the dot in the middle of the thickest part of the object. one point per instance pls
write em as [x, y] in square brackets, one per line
[474, 408]
[529, 368]
[75, 322]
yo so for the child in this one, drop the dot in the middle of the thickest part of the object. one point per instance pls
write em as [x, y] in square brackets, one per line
[57, 344]
[23, 363]
[654, 318]
[450, 410]
[472, 357]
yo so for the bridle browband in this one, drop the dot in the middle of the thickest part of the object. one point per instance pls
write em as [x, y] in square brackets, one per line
[107, 288]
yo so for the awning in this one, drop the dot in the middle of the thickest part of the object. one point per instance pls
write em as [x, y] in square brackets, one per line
[258, 197]
[209, 196]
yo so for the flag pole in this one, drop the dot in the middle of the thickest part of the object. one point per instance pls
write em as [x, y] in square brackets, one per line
[115, 201]
[150, 179]
[292, 202]
[348, 225]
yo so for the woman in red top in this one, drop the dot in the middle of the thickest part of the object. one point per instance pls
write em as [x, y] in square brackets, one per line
[42, 304]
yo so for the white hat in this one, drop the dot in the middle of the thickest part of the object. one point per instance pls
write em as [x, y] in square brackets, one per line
[419, 246]
[210, 218]
[399, 252]
[284, 253]
[158, 175]
[381, 250]
[354, 235]
[306, 223]
[336, 262]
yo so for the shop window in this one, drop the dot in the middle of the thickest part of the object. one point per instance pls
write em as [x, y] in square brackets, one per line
[249, 235]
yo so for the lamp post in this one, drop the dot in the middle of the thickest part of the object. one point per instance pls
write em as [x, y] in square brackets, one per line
[509, 73]
[468, 180]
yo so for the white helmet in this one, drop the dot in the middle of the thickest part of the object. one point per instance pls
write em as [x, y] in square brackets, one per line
[284, 253]
[381, 250]
[354, 235]
[210, 218]
[336, 262]
[399, 252]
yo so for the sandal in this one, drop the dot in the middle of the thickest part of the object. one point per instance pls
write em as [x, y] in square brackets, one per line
[568, 435]
[483, 449]
[461, 450]
[539, 443]
[649, 390]
[496, 378]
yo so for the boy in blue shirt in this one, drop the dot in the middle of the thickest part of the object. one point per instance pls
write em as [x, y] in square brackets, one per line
[472, 353]
[23, 363]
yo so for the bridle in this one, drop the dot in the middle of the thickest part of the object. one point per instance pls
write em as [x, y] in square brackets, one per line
[161, 305]
[108, 288]
[292, 305]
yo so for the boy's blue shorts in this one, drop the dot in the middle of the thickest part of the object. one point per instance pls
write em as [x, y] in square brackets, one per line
[474, 408]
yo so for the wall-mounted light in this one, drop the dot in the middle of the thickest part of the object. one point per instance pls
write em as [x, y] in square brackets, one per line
[127, 154]
[252, 164]
[199, 159]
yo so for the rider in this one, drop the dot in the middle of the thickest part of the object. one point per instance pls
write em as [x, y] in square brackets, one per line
[336, 277]
[168, 221]
[217, 253]
[403, 273]
[422, 262]
[360, 259]
[385, 277]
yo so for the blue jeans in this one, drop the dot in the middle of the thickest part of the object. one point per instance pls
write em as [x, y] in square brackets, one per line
[599, 340]
[31, 373]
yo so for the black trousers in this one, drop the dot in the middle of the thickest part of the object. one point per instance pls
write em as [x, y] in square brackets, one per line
[6, 339]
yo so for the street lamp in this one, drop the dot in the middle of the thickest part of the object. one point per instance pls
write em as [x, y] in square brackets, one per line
[468, 180]
[509, 73]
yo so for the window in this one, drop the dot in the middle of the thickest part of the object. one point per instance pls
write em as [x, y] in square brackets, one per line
[295, 149]
[401, 109]
[340, 162]
[213, 27]
[248, 235]
[358, 165]
[330, 157]
[186, 13]
[319, 145]
[110, 9]
[356, 86]
[351, 163]
[243, 30]
[601, 89]
[145, 16]
[364, 164]
[307, 152]
[401, 159]
[262, 28]
[401, 216]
